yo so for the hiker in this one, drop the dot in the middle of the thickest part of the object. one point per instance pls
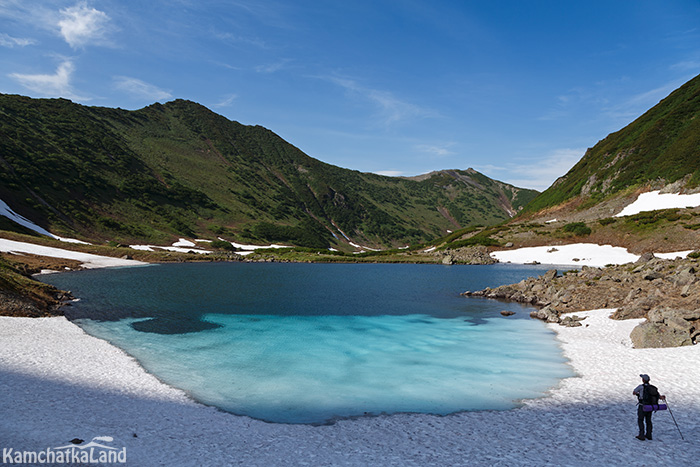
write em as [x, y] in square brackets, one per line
[647, 394]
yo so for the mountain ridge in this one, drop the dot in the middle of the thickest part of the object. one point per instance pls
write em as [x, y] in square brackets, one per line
[179, 169]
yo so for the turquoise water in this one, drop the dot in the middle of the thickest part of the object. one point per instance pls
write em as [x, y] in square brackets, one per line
[312, 343]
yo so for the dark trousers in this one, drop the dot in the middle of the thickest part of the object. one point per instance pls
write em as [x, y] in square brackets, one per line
[641, 417]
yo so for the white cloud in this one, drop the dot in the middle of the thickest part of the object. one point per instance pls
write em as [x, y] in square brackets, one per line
[55, 85]
[141, 89]
[537, 173]
[81, 25]
[8, 41]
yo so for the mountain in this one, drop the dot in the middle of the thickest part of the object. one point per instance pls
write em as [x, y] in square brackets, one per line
[179, 169]
[659, 148]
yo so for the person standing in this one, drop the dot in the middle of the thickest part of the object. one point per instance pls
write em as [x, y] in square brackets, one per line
[647, 394]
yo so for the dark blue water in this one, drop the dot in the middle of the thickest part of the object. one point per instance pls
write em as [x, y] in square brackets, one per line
[310, 343]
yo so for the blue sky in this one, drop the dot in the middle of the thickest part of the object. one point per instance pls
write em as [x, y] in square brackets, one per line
[515, 89]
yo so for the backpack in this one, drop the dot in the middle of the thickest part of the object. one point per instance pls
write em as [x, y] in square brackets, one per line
[650, 395]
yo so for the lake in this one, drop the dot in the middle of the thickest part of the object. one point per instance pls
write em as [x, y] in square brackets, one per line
[314, 343]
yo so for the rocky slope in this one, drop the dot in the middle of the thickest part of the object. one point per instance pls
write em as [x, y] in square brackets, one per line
[666, 292]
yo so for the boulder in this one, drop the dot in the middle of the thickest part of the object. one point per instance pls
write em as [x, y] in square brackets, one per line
[645, 258]
[650, 276]
[507, 313]
[548, 314]
[447, 259]
[549, 276]
[678, 324]
[655, 316]
[684, 277]
[572, 321]
[637, 308]
[654, 335]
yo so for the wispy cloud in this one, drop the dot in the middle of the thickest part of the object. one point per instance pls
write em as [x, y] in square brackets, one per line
[226, 101]
[537, 173]
[8, 41]
[81, 25]
[272, 67]
[634, 105]
[687, 65]
[55, 85]
[570, 103]
[140, 89]
[391, 109]
[436, 150]
[242, 40]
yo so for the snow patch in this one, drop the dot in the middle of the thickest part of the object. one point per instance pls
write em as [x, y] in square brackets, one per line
[88, 260]
[184, 242]
[655, 200]
[177, 249]
[577, 254]
[363, 248]
[24, 222]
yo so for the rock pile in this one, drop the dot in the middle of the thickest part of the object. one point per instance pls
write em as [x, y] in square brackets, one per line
[666, 292]
[466, 255]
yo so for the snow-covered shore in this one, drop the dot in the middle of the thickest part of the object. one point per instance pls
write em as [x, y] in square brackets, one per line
[60, 383]
[88, 260]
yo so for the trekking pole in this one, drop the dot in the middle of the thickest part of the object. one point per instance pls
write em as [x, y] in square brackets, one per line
[674, 420]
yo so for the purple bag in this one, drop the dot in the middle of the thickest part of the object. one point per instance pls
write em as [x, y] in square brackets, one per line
[654, 407]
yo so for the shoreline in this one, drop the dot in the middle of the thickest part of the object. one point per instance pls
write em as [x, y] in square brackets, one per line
[61, 383]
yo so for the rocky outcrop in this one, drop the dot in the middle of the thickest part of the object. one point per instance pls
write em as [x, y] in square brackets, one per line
[21, 295]
[667, 327]
[465, 255]
[666, 292]
[32, 305]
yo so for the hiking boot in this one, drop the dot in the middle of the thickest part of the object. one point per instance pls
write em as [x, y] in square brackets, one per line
[649, 437]
[640, 437]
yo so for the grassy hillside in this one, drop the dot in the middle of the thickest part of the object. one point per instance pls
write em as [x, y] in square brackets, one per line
[181, 170]
[662, 146]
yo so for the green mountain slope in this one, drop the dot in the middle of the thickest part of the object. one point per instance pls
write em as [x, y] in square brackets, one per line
[662, 146]
[179, 169]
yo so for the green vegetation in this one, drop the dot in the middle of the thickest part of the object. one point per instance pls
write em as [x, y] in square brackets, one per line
[179, 169]
[479, 239]
[649, 220]
[577, 228]
[222, 245]
[663, 144]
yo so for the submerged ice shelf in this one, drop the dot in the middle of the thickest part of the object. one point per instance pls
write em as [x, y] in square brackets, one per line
[314, 369]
